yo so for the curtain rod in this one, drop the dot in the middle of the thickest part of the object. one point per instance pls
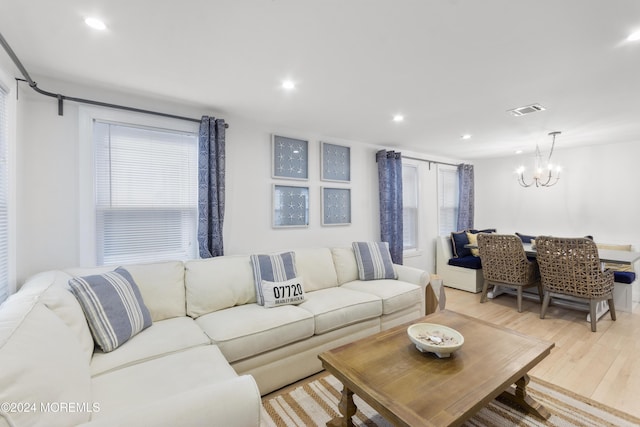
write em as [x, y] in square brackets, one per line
[431, 161]
[61, 98]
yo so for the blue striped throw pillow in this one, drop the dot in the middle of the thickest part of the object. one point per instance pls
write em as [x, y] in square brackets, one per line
[272, 268]
[113, 307]
[374, 260]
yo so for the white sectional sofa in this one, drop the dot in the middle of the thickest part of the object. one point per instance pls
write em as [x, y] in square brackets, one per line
[210, 353]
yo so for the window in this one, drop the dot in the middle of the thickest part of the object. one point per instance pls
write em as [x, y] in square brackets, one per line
[447, 199]
[410, 206]
[146, 201]
[4, 196]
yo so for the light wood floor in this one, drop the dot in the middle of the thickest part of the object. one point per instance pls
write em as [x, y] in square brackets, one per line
[602, 365]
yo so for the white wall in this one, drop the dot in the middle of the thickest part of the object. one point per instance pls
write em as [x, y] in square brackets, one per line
[596, 195]
[249, 193]
[48, 166]
[47, 205]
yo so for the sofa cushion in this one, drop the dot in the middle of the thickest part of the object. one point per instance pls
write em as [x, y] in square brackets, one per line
[274, 268]
[161, 338]
[229, 402]
[373, 260]
[468, 261]
[473, 240]
[395, 294]
[52, 289]
[161, 285]
[144, 383]
[624, 276]
[333, 308]
[344, 260]
[41, 361]
[217, 283]
[458, 241]
[247, 330]
[283, 293]
[113, 306]
[315, 266]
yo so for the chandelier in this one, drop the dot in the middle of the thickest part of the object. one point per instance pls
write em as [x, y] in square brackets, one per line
[545, 174]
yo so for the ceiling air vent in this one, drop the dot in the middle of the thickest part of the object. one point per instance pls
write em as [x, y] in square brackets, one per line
[527, 109]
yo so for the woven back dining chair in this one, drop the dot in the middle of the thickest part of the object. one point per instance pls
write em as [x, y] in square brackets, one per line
[571, 266]
[504, 263]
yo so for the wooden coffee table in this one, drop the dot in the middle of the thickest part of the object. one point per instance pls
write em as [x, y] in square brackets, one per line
[410, 388]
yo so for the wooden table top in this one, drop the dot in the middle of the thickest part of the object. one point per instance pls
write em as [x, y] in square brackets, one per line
[613, 256]
[411, 388]
[606, 255]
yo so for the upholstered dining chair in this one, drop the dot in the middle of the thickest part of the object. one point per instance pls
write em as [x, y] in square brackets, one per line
[504, 263]
[571, 266]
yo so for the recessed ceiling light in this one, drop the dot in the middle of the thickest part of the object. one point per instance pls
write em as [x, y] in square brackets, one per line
[518, 151]
[466, 136]
[288, 85]
[634, 36]
[95, 23]
[398, 118]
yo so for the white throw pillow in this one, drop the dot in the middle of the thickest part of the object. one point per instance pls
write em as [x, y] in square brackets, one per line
[283, 293]
[275, 268]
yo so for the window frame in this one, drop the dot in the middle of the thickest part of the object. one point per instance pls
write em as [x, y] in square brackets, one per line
[88, 256]
[416, 208]
[10, 133]
[441, 196]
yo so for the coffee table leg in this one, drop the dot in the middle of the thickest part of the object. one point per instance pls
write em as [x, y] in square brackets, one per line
[519, 397]
[347, 408]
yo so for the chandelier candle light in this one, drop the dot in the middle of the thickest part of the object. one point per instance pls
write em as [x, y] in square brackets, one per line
[545, 174]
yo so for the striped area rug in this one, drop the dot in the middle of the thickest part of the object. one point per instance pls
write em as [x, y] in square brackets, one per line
[316, 402]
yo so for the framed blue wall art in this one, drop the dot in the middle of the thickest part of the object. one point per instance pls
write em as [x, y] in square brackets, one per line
[290, 158]
[336, 206]
[290, 206]
[335, 162]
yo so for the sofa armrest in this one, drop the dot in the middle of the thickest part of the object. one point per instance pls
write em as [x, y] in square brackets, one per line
[234, 402]
[417, 277]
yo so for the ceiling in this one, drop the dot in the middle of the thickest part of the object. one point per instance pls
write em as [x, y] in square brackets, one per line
[451, 67]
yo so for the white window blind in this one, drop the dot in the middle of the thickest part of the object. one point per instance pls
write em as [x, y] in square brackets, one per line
[447, 199]
[4, 196]
[146, 193]
[410, 206]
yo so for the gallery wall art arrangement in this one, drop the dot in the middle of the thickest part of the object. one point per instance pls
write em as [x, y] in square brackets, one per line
[291, 200]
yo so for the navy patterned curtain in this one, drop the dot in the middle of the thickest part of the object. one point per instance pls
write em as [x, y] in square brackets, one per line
[390, 188]
[211, 186]
[465, 201]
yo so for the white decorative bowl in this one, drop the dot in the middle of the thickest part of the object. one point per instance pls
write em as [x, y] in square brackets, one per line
[433, 338]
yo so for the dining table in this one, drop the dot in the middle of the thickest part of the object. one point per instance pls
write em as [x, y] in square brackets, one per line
[611, 256]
